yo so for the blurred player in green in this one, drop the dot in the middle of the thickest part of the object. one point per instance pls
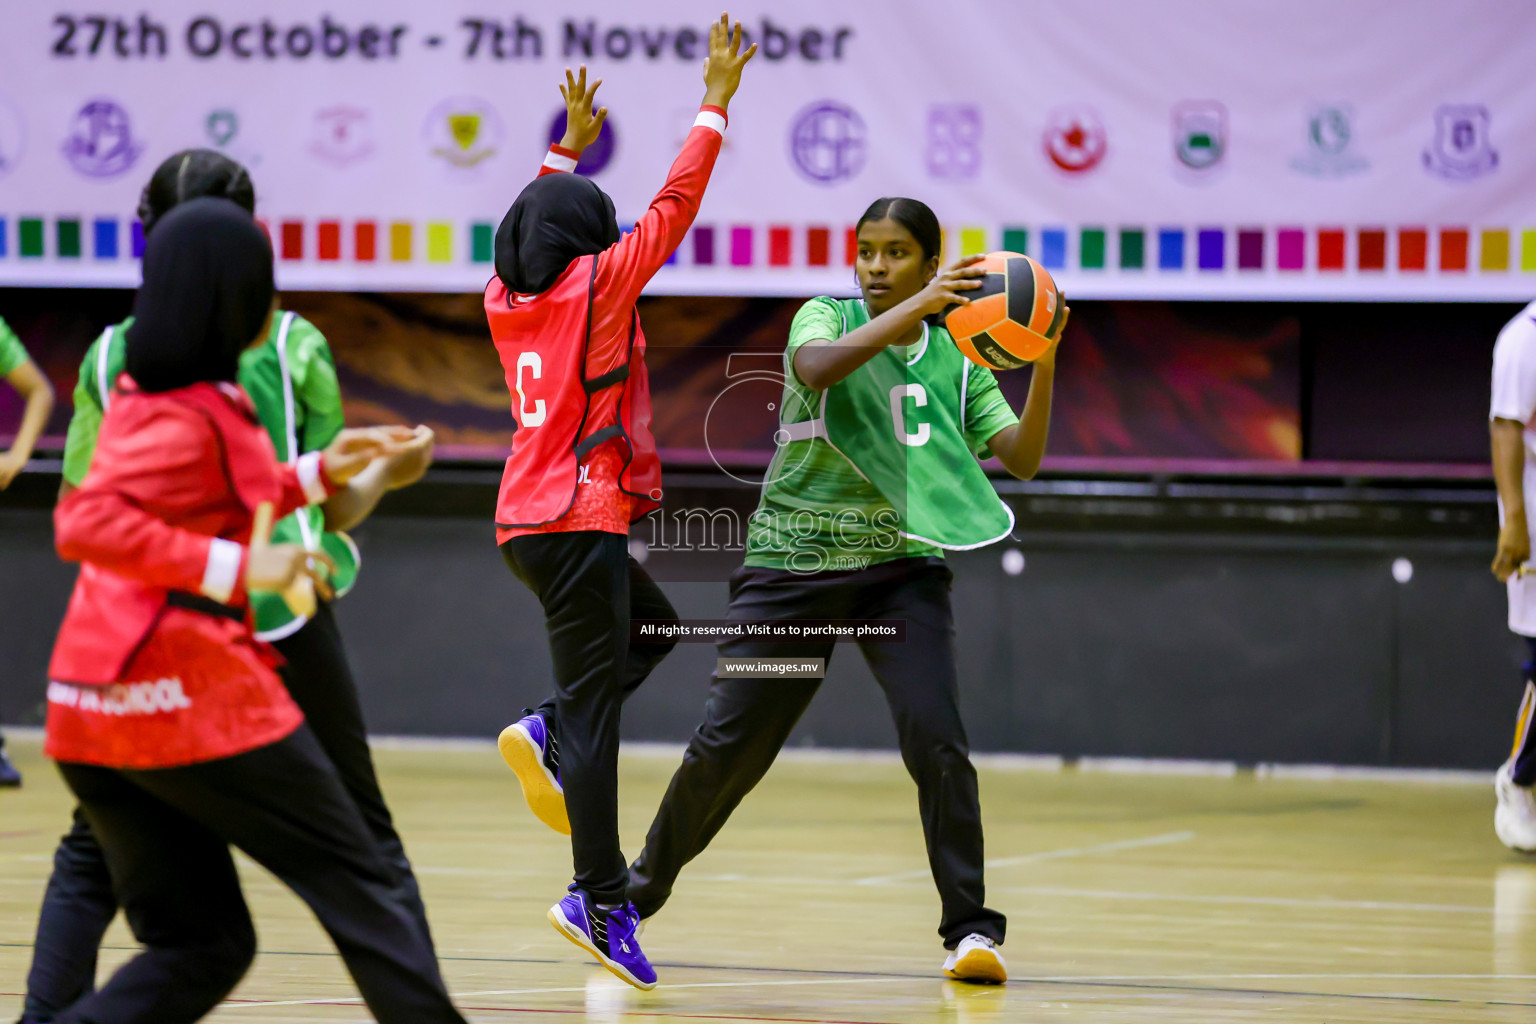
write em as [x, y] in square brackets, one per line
[22, 374]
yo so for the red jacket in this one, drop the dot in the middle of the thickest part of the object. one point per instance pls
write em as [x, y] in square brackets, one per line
[566, 406]
[137, 680]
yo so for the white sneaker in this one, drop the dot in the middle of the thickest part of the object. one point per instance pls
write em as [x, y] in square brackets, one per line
[976, 959]
[1514, 820]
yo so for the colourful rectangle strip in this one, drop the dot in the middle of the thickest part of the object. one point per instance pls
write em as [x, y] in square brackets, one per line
[365, 241]
[1372, 249]
[779, 246]
[741, 246]
[1412, 249]
[293, 239]
[1250, 249]
[973, 241]
[1213, 248]
[818, 246]
[400, 241]
[1053, 248]
[703, 247]
[104, 238]
[439, 242]
[1453, 249]
[1330, 249]
[328, 240]
[1170, 249]
[4, 237]
[1133, 249]
[1494, 254]
[1405, 249]
[1090, 252]
[482, 243]
[1291, 249]
[67, 238]
[31, 237]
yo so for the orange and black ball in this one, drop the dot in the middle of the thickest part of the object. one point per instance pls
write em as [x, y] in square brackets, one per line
[1012, 318]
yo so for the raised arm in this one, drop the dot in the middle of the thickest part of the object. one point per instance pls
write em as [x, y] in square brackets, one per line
[635, 259]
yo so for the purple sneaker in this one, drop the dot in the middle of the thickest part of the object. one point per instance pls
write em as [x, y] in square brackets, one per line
[531, 751]
[608, 935]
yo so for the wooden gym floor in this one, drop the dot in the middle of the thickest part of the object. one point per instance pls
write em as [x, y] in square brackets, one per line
[1131, 897]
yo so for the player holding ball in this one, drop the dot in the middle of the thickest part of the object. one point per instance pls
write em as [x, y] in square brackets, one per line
[882, 419]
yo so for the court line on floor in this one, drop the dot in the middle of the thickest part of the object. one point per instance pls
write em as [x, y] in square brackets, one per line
[1109, 894]
[1030, 858]
[583, 988]
[1269, 901]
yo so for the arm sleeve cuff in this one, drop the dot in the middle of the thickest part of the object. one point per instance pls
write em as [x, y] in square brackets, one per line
[222, 572]
[312, 479]
[711, 117]
[561, 159]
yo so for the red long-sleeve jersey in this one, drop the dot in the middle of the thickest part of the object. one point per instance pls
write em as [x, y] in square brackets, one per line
[167, 507]
[601, 500]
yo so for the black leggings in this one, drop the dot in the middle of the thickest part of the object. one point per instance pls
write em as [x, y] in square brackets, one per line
[747, 721]
[78, 903]
[590, 589]
[165, 834]
[1524, 754]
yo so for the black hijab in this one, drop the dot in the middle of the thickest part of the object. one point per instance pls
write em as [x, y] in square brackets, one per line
[207, 290]
[556, 219]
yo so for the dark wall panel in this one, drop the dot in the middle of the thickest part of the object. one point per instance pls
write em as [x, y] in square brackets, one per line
[1190, 645]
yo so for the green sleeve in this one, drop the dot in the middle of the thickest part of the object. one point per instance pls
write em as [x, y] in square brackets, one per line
[817, 320]
[85, 421]
[314, 384]
[12, 355]
[986, 409]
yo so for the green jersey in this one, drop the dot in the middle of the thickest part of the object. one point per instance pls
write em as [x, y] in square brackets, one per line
[818, 511]
[292, 382]
[12, 355]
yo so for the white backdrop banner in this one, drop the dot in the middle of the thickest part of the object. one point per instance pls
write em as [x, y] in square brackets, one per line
[1374, 149]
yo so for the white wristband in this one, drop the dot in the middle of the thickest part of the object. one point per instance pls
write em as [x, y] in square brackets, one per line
[223, 569]
[710, 119]
[308, 468]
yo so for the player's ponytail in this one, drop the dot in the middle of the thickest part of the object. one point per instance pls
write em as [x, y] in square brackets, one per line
[195, 174]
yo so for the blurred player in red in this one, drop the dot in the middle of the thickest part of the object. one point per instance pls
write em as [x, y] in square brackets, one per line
[167, 717]
[583, 467]
[1512, 430]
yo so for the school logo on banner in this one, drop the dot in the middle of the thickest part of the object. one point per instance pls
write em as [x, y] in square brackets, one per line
[1330, 144]
[1200, 134]
[954, 141]
[463, 132]
[828, 142]
[596, 156]
[1461, 149]
[1075, 140]
[342, 135]
[221, 127]
[13, 137]
[100, 143]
